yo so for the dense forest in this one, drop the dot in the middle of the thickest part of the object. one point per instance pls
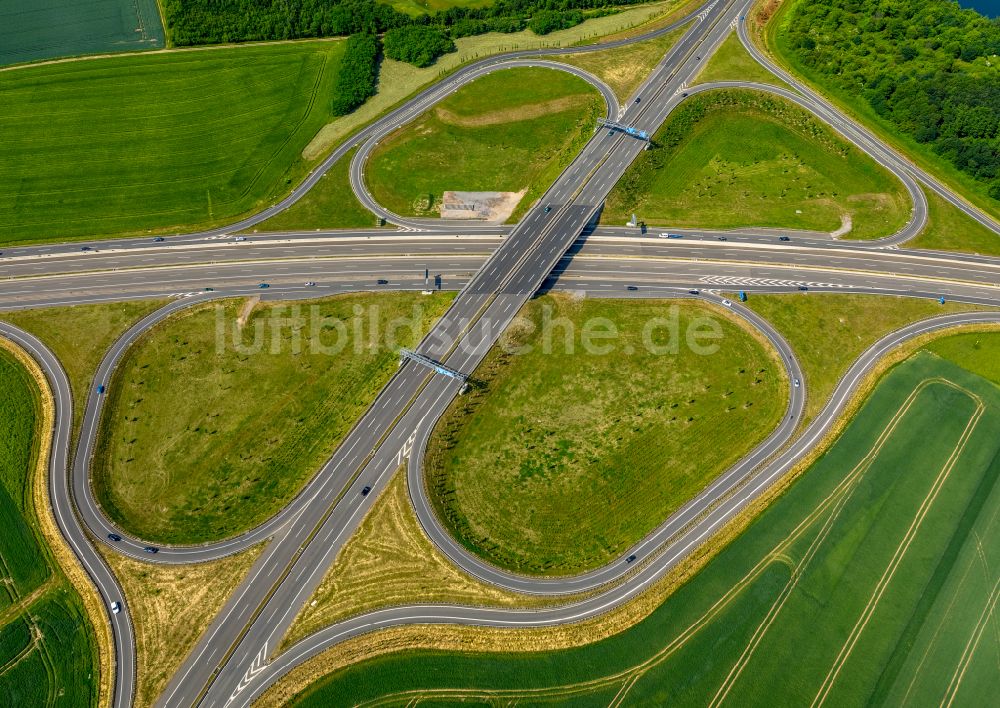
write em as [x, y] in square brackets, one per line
[419, 45]
[928, 66]
[191, 22]
[358, 75]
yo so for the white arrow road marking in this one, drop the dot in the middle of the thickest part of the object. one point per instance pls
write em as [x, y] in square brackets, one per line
[405, 450]
[258, 665]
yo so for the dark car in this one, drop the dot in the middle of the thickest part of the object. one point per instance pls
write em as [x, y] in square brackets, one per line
[209, 290]
[631, 287]
[114, 537]
[684, 94]
[630, 558]
[694, 292]
[547, 208]
[364, 492]
[723, 238]
[264, 285]
[382, 281]
[637, 99]
[784, 238]
[158, 239]
[151, 549]
[85, 248]
[803, 287]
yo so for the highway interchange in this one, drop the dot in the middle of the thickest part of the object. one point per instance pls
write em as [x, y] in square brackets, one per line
[496, 269]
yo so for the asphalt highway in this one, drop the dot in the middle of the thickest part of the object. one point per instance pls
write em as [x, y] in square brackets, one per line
[496, 269]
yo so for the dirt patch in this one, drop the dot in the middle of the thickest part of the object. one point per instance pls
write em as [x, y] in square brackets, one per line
[247, 310]
[485, 206]
[846, 224]
[511, 115]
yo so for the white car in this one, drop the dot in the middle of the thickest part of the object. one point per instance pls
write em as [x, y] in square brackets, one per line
[116, 607]
[727, 303]
[241, 238]
[310, 284]
[796, 383]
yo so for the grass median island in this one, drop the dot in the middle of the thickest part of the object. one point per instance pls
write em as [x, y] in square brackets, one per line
[948, 229]
[48, 650]
[829, 331]
[80, 336]
[624, 68]
[886, 528]
[157, 142]
[509, 131]
[562, 458]
[171, 606]
[734, 158]
[330, 204]
[212, 427]
[732, 62]
[390, 561]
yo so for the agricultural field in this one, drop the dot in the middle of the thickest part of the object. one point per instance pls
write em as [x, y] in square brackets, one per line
[47, 651]
[623, 437]
[268, 393]
[33, 30]
[509, 131]
[92, 148]
[866, 582]
[742, 159]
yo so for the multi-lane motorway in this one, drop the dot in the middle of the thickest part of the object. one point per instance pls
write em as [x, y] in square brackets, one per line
[496, 269]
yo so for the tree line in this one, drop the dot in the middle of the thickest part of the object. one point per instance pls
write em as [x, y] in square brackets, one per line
[193, 22]
[929, 67]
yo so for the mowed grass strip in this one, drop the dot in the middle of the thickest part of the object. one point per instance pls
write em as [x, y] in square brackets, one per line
[47, 646]
[732, 159]
[767, 618]
[563, 458]
[157, 142]
[732, 62]
[509, 131]
[211, 428]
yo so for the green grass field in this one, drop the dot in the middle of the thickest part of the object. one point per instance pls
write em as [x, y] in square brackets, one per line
[828, 331]
[622, 438]
[509, 131]
[47, 654]
[157, 142]
[80, 336]
[739, 159]
[330, 204]
[948, 229]
[870, 581]
[424, 7]
[234, 441]
[32, 30]
[731, 62]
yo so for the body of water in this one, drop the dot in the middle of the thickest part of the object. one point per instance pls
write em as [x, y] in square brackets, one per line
[990, 8]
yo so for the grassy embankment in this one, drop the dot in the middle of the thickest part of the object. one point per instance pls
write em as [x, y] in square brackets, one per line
[738, 158]
[624, 68]
[948, 229]
[907, 625]
[828, 331]
[768, 21]
[35, 30]
[48, 651]
[621, 438]
[234, 441]
[92, 147]
[171, 606]
[510, 131]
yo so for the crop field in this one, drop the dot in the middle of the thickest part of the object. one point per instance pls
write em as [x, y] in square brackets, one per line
[92, 148]
[870, 581]
[738, 159]
[31, 30]
[46, 651]
[509, 131]
[268, 393]
[623, 437]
